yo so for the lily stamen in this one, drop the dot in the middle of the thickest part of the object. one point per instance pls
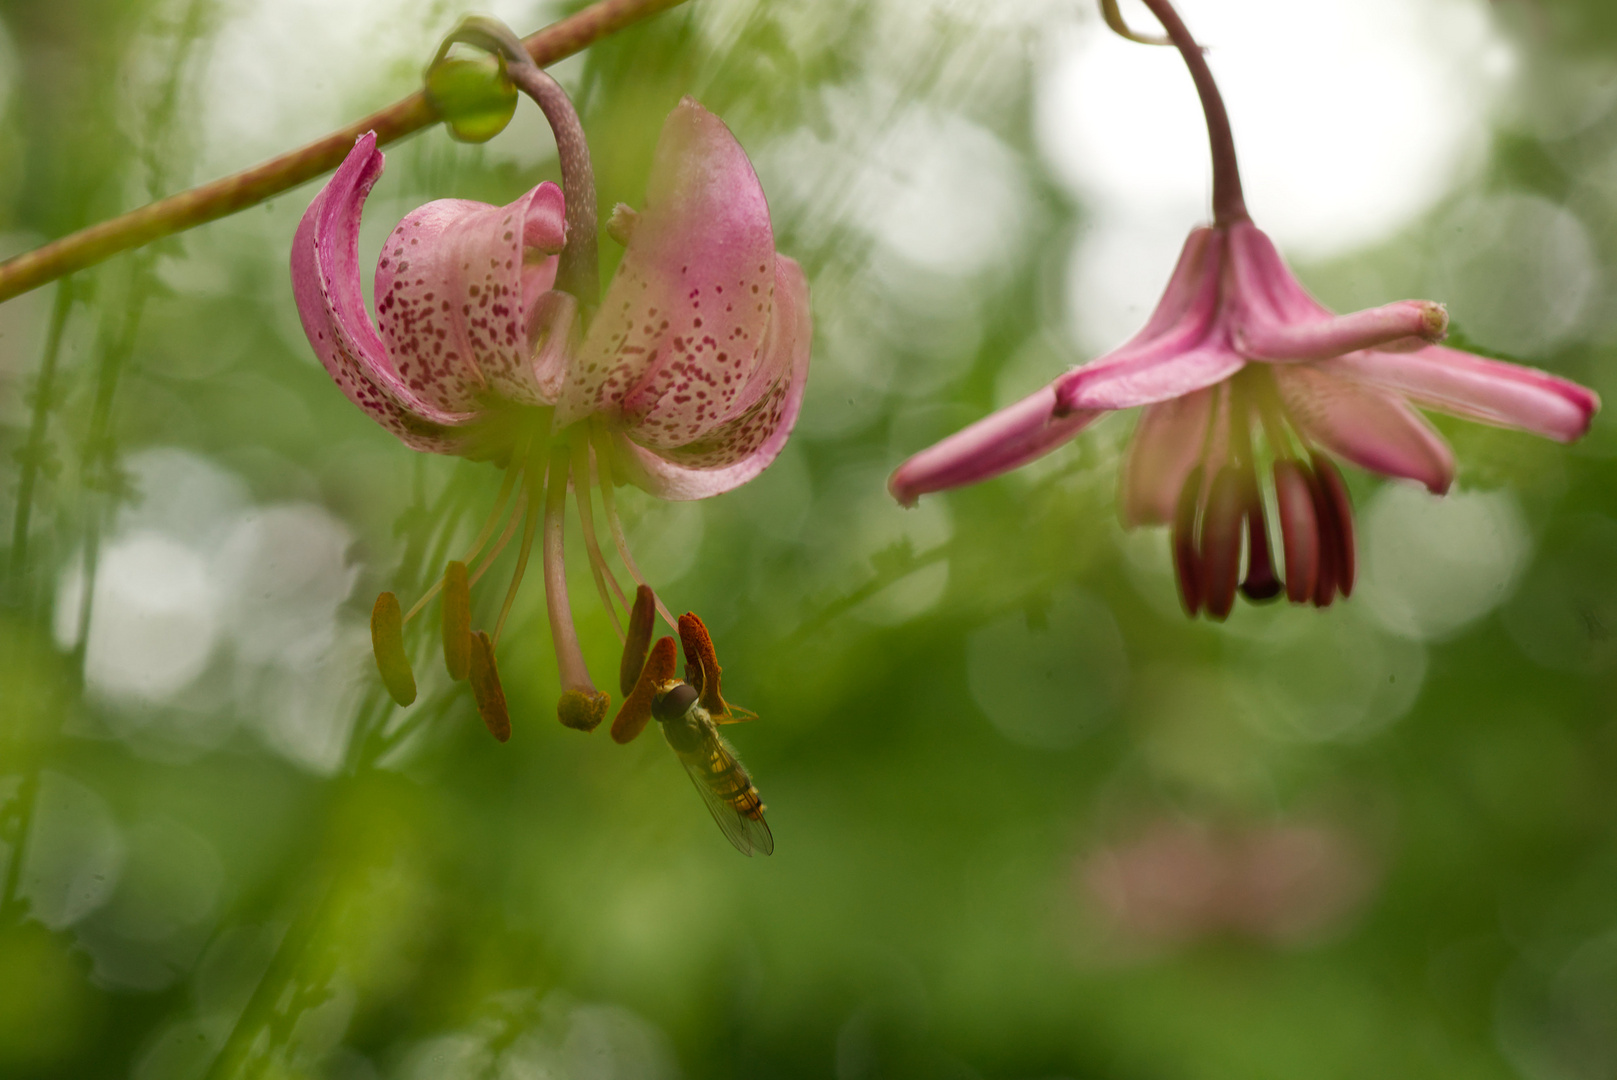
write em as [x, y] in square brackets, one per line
[615, 526]
[586, 520]
[517, 516]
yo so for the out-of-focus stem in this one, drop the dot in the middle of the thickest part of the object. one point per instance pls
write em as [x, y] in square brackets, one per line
[34, 449]
[252, 186]
[1229, 205]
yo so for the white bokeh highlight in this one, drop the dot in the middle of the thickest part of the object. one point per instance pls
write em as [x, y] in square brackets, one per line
[1431, 566]
[1352, 118]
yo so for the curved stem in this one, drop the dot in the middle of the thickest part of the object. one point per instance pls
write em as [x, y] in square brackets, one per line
[578, 271]
[1229, 205]
[252, 186]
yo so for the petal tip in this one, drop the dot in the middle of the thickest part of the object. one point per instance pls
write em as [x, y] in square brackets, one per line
[1434, 321]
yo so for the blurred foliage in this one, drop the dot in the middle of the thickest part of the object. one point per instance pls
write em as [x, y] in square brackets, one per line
[983, 722]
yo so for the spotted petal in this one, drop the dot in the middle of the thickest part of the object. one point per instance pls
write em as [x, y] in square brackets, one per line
[331, 304]
[682, 324]
[452, 287]
[1373, 428]
[745, 444]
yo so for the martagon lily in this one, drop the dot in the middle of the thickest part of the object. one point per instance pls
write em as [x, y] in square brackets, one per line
[1237, 348]
[685, 382]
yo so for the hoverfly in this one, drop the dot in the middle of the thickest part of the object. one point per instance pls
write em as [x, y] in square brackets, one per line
[689, 711]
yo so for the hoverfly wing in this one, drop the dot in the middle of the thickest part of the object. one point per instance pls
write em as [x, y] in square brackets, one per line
[729, 796]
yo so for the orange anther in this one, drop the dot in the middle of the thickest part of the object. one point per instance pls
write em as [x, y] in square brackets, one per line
[486, 689]
[636, 712]
[701, 663]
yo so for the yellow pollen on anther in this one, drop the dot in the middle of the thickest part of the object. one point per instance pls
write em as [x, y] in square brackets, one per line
[387, 641]
[457, 611]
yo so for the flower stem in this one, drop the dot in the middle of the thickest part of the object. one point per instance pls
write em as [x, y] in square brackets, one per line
[578, 271]
[252, 186]
[1229, 205]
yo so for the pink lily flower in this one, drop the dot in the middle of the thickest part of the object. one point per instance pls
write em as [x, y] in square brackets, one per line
[686, 383]
[1237, 348]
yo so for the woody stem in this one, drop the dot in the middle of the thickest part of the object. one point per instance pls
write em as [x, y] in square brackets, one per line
[250, 187]
[1229, 205]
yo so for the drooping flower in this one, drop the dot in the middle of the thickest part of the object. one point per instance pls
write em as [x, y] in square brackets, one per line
[685, 382]
[1238, 349]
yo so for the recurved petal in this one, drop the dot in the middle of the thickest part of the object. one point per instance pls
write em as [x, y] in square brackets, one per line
[1183, 348]
[1491, 391]
[451, 288]
[1156, 371]
[688, 308]
[1374, 429]
[331, 304]
[1261, 338]
[743, 446]
[998, 443]
[1167, 445]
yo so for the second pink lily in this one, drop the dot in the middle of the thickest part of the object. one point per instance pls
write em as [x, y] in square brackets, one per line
[1237, 348]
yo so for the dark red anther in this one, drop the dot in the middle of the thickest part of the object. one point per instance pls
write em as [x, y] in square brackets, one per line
[1221, 543]
[1299, 529]
[1329, 542]
[637, 704]
[1334, 488]
[1261, 584]
[1186, 559]
[642, 619]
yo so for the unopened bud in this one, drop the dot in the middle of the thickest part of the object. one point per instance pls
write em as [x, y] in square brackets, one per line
[486, 689]
[473, 95]
[387, 641]
[457, 610]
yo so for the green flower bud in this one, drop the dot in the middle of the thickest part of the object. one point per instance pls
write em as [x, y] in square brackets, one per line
[474, 96]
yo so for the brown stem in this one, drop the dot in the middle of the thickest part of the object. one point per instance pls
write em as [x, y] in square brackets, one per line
[252, 186]
[1229, 205]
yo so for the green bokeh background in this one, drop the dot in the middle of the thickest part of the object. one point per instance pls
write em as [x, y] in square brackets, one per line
[971, 713]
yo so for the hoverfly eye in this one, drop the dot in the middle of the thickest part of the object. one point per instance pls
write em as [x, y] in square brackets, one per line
[676, 703]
